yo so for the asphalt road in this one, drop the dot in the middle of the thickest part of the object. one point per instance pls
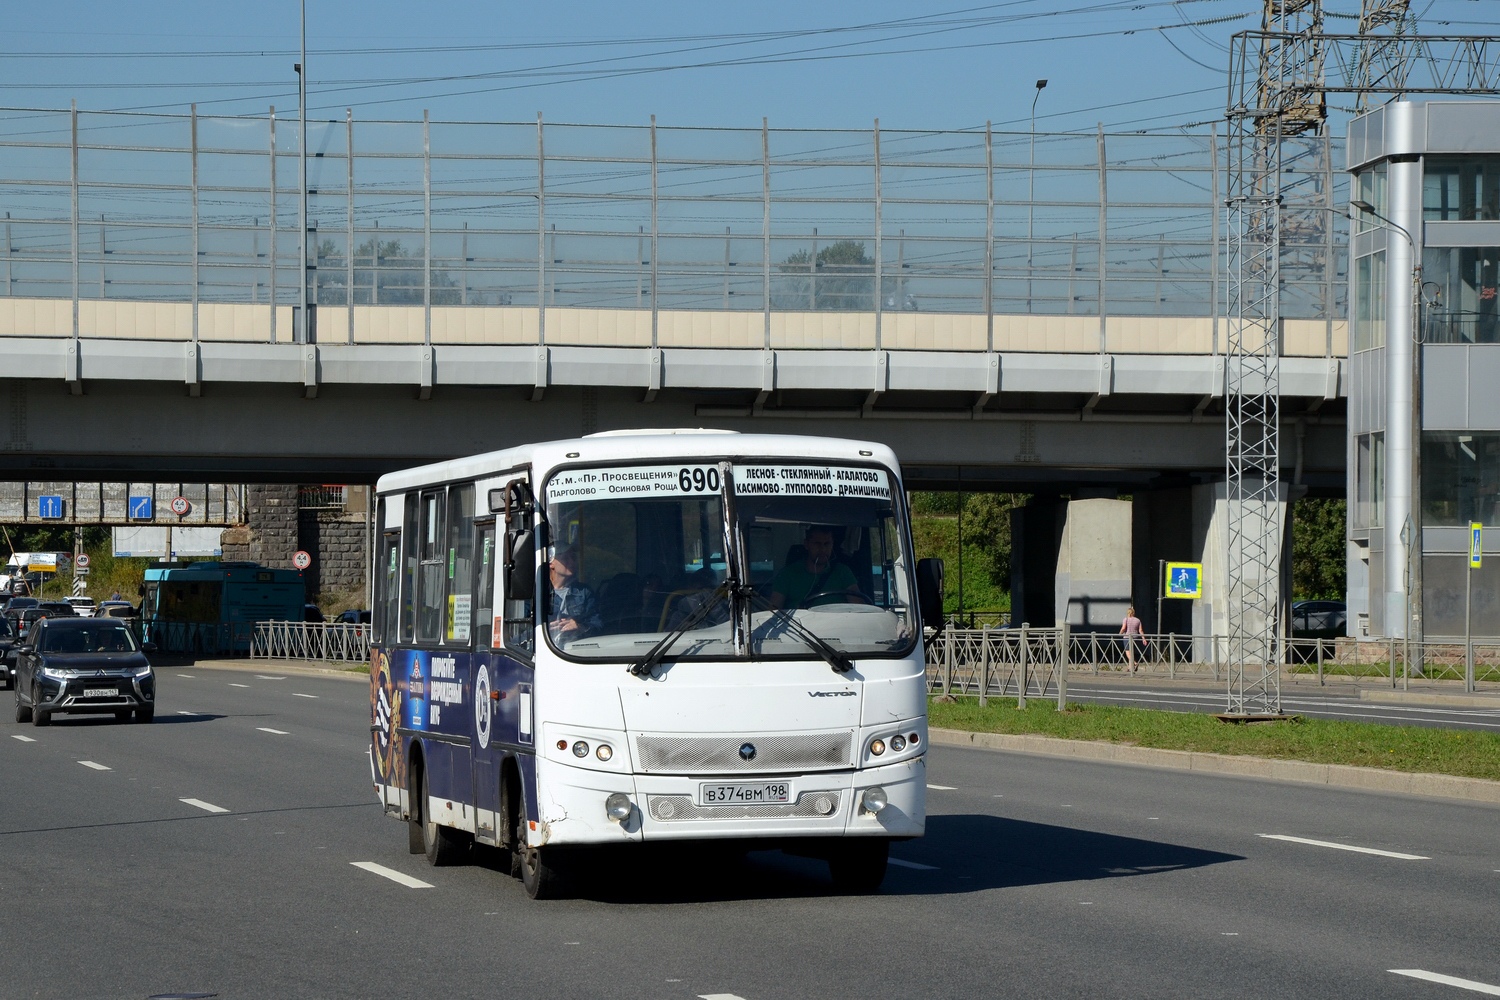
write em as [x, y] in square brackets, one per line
[1039, 878]
[1313, 702]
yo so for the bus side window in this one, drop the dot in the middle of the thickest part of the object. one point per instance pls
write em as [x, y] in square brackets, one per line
[387, 587]
[409, 542]
[484, 586]
[458, 616]
[432, 568]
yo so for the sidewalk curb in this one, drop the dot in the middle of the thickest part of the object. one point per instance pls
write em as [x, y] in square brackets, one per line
[1366, 779]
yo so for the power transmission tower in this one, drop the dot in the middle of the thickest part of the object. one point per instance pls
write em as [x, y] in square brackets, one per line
[1284, 102]
[1384, 58]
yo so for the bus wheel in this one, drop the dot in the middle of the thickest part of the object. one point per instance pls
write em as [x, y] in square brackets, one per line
[859, 865]
[537, 873]
[414, 806]
[443, 845]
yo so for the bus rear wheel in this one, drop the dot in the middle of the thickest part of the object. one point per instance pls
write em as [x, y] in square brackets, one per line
[443, 845]
[858, 866]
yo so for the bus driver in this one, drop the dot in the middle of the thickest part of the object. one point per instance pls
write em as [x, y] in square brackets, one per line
[802, 584]
[575, 612]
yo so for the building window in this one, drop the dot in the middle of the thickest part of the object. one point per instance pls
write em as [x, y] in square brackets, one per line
[1377, 480]
[1369, 186]
[1369, 302]
[1460, 477]
[1461, 189]
[1460, 293]
[1361, 512]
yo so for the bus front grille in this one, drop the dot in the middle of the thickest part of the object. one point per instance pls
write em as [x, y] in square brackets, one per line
[765, 754]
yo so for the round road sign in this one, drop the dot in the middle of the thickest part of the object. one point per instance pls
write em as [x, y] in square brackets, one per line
[301, 559]
[82, 562]
[180, 506]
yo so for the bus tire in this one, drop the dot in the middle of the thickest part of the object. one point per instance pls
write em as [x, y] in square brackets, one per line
[443, 845]
[537, 873]
[858, 865]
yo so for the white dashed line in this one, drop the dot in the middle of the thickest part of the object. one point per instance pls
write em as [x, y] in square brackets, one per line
[97, 767]
[191, 677]
[1436, 977]
[942, 788]
[267, 677]
[392, 874]
[912, 864]
[205, 806]
[234, 685]
[184, 712]
[23, 739]
[1345, 847]
[299, 694]
[268, 729]
[718, 996]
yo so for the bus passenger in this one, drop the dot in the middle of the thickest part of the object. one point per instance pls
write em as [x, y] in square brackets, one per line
[816, 579]
[575, 612]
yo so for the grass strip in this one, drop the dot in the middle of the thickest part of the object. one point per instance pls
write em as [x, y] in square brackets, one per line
[1460, 752]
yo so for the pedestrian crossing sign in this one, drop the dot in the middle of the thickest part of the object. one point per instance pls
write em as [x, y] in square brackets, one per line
[1184, 580]
[1476, 544]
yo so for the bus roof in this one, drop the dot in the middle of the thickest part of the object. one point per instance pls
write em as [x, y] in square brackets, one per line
[215, 570]
[613, 446]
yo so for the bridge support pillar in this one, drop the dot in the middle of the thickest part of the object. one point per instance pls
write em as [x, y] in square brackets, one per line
[1070, 563]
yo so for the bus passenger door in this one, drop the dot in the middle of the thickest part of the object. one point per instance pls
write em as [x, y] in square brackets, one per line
[488, 690]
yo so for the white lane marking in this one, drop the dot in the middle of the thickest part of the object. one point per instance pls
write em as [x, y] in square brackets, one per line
[942, 788]
[718, 996]
[205, 806]
[268, 677]
[97, 767]
[191, 677]
[184, 712]
[234, 685]
[268, 729]
[392, 874]
[912, 864]
[1345, 847]
[24, 739]
[1437, 977]
[299, 694]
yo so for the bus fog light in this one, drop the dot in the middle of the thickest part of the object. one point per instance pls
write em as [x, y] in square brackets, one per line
[617, 807]
[877, 747]
[580, 749]
[874, 799]
[823, 805]
[898, 743]
[604, 752]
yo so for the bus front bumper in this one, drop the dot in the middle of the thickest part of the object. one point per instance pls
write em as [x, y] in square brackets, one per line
[571, 806]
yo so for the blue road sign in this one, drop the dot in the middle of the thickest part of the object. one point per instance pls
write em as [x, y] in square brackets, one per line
[140, 508]
[1476, 544]
[1184, 580]
[49, 506]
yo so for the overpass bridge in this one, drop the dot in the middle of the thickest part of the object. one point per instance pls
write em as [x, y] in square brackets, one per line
[1024, 315]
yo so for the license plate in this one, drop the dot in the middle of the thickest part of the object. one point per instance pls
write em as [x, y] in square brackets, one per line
[102, 693]
[757, 793]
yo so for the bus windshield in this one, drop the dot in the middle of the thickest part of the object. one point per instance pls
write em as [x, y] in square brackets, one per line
[641, 553]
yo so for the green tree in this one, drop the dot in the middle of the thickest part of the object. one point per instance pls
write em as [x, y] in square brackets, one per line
[986, 544]
[1319, 549]
[841, 279]
[385, 273]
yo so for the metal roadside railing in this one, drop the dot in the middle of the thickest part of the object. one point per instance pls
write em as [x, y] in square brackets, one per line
[1000, 663]
[995, 662]
[339, 642]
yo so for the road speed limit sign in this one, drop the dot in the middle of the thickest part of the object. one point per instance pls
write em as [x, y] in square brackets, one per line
[180, 506]
[82, 562]
[301, 559]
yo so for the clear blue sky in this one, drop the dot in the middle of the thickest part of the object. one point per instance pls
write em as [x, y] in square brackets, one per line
[1132, 64]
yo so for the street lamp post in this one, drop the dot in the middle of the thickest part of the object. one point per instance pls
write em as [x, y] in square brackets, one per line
[1031, 192]
[1414, 628]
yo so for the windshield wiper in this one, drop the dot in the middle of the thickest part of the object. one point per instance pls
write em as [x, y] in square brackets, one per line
[658, 652]
[838, 660]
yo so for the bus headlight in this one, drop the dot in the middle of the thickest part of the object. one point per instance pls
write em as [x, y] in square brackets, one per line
[874, 799]
[898, 743]
[877, 747]
[580, 749]
[617, 807]
[604, 752]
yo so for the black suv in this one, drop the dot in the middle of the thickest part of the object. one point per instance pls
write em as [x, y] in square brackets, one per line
[7, 663]
[83, 665]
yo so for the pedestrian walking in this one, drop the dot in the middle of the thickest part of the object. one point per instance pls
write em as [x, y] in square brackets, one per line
[1132, 632]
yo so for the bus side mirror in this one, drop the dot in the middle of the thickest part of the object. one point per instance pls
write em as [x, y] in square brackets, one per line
[930, 592]
[520, 567]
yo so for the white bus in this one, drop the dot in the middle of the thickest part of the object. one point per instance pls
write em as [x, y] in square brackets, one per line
[642, 636]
